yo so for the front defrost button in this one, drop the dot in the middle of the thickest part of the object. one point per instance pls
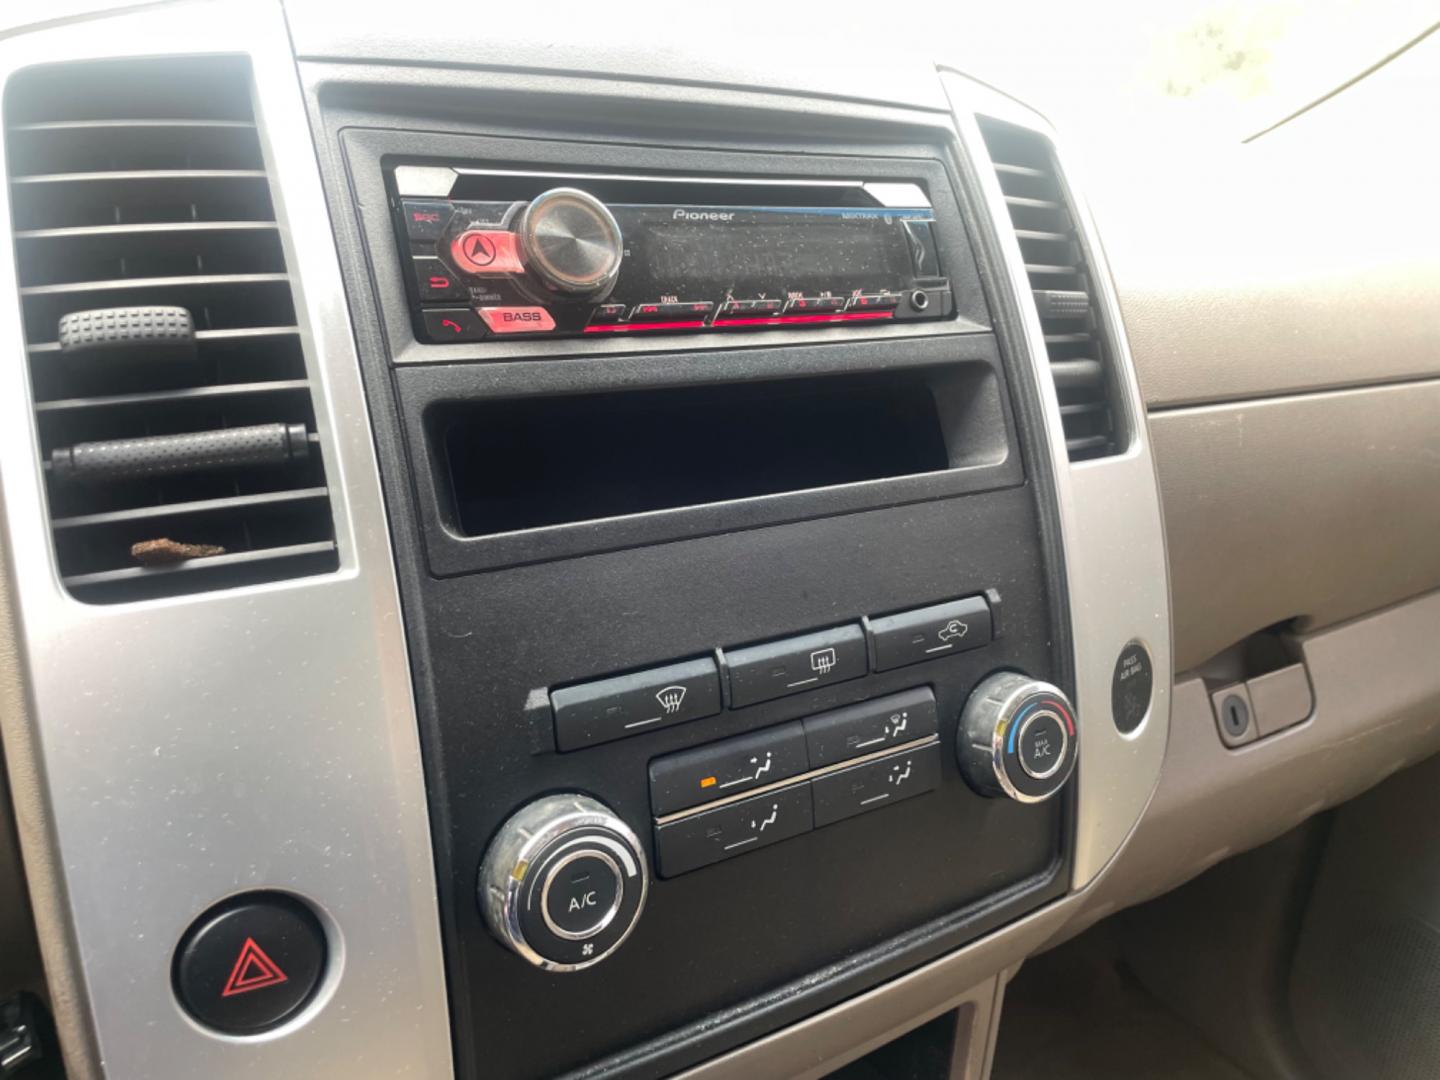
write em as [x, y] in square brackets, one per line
[644, 701]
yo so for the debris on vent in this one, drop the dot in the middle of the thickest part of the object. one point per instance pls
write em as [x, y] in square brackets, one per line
[167, 552]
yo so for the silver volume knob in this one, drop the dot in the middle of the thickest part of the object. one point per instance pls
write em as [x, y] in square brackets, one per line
[1018, 737]
[570, 244]
[563, 882]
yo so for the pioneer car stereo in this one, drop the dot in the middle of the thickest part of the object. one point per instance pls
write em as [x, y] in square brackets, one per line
[538, 254]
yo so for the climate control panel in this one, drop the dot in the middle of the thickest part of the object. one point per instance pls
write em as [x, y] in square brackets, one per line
[564, 881]
[745, 793]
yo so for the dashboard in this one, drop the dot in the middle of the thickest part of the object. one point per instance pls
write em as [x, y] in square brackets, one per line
[558, 559]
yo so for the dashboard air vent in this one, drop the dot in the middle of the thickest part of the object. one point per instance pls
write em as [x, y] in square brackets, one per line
[1060, 281]
[172, 403]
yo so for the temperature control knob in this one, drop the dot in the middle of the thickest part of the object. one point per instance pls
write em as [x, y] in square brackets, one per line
[1017, 738]
[563, 882]
[570, 244]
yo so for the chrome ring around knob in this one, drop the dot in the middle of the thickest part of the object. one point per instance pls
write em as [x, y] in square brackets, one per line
[1018, 738]
[570, 243]
[528, 855]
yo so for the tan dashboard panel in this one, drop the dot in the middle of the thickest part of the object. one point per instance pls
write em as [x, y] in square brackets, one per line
[1377, 711]
[1212, 337]
[1322, 506]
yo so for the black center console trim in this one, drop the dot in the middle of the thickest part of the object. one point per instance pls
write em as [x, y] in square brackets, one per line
[963, 371]
[472, 663]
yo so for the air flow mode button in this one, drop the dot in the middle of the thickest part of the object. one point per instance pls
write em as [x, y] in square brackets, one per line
[875, 784]
[679, 781]
[742, 827]
[870, 727]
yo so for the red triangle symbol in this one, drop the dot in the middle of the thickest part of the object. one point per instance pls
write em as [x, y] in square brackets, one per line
[253, 970]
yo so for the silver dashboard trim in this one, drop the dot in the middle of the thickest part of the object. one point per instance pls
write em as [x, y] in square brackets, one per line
[184, 750]
[1110, 522]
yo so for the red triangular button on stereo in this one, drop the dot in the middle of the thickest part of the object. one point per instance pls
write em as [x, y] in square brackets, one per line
[253, 970]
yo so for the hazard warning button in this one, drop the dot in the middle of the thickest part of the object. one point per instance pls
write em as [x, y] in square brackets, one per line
[250, 963]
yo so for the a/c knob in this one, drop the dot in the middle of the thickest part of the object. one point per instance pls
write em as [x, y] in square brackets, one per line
[563, 882]
[1018, 738]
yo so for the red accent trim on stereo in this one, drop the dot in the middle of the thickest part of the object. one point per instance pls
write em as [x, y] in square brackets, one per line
[768, 320]
[781, 320]
[609, 328]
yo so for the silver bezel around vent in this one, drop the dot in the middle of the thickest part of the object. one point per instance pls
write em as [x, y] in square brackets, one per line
[1110, 522]
[174, 752]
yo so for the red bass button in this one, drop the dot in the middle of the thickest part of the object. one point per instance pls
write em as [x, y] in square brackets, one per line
[517, 320]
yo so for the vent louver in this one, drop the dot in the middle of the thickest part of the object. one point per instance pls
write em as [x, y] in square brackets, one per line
[1060, 281]
[174, 413]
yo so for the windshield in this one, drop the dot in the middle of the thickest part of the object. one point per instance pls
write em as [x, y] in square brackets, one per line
[1194, 68]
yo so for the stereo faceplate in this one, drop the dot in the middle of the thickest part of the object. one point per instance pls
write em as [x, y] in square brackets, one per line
[596, 253]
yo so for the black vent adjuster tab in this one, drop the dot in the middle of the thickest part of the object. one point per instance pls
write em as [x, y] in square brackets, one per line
[1062, 303]
[169, 455]
[128, 328]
